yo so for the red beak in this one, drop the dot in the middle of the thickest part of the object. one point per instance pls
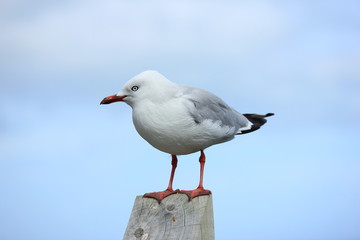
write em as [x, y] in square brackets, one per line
[112, 98]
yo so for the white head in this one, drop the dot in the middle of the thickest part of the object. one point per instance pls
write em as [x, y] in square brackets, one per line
[148, 85]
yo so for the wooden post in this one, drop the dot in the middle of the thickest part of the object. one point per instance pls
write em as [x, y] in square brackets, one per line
[175, 218]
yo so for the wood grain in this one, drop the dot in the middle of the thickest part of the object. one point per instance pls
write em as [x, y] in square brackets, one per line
[175, 218]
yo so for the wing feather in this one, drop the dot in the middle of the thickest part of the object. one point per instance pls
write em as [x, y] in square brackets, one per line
[204, 105]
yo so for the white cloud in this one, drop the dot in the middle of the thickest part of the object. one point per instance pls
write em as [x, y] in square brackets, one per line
[88, 32]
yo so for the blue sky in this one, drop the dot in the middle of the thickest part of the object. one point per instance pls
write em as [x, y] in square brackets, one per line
[70, 168]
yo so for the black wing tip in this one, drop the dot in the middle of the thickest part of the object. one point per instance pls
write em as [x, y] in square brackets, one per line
[254, 115]
[257, 120]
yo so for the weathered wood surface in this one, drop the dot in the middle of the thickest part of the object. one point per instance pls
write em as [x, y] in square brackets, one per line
[175, 218]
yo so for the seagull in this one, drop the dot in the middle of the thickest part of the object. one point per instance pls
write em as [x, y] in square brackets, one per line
[181, 120]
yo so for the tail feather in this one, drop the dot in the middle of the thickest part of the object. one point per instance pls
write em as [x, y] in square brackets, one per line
[257, 120]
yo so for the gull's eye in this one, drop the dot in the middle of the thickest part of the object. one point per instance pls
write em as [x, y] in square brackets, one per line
[134, 88]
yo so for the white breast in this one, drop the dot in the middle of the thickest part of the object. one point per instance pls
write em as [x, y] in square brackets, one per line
[169, 128]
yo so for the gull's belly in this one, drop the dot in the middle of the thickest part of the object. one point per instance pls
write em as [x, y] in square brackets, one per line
[173, 130]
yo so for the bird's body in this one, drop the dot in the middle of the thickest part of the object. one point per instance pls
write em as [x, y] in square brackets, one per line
[180, 120]
[181, 124]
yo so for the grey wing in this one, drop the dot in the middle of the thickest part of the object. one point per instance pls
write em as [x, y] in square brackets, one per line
[204, 105]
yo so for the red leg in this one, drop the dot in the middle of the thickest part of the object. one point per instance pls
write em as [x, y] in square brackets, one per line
[199, 191]
[161, 195]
